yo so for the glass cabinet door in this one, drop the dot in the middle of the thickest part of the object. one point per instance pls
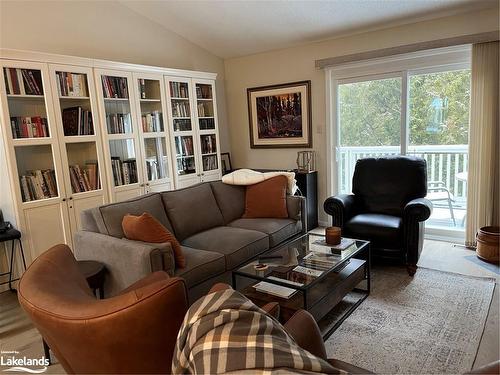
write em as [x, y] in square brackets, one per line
[182, 127]
[153, 133]
[206, 126]
[32, 133]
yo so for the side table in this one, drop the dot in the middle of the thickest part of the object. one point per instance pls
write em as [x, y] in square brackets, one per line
[95, 273]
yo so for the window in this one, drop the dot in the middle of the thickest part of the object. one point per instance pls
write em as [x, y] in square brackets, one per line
[416, 105]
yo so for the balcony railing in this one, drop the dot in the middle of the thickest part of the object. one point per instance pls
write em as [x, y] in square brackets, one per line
[444, 163]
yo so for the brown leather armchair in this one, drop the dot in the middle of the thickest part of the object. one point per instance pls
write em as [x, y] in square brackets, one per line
[134, 332]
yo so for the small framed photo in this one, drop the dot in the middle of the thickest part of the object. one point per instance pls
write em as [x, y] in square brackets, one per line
[280, 115]
[226, 163]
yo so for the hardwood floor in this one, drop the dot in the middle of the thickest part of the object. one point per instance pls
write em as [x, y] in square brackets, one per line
[17, 333]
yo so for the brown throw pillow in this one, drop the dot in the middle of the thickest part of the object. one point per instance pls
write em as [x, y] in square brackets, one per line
[267, 199]
[148, 229]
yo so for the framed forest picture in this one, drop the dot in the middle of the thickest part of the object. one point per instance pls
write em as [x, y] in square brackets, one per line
[280, 115]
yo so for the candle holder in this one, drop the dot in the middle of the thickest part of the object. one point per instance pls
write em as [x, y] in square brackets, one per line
[333, 235]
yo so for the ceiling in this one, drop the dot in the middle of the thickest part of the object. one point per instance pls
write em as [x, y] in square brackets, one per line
[235, 28]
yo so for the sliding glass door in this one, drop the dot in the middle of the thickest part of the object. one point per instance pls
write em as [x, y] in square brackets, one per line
[423, 113]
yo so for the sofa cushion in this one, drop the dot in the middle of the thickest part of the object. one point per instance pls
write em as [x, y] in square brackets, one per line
[192, 210]
[238, 245]
[112, 214]
[230, 199]
[200, 266]
[277, 229]
[267, 199]
[381, 230]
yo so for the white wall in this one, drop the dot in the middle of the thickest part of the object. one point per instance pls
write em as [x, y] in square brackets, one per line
[297, 64]
[105, 30]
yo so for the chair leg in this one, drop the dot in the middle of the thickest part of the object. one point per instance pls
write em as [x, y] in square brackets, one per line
[46, 351]
[450, 205]
[22, 253]
[11, 265]
[412, 269]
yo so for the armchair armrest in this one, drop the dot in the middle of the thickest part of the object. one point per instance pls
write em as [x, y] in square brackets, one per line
[126, 261]
[419, 209]
[305, 331]
[341, 208]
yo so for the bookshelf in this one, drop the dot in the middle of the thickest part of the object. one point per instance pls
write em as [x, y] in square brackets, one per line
[74, 141]
[193, 123]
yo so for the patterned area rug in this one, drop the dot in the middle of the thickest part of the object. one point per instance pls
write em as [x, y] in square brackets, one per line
[429, 324]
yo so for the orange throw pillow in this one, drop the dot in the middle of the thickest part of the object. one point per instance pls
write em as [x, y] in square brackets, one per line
[148, 229]
[267, 199]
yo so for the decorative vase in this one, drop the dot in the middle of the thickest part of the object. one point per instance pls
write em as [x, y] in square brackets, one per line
[488, 239]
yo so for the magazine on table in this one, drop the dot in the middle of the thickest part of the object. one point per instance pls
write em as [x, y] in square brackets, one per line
[275, 290]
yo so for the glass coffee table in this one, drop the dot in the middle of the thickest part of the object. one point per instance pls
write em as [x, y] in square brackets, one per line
[306, 274]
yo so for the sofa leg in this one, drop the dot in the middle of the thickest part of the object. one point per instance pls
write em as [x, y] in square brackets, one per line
[411, 268]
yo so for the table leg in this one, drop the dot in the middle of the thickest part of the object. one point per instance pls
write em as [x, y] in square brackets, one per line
[22, 253]
[11, 264]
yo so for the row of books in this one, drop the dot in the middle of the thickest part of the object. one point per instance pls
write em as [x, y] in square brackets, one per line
[29, 127]
[119, 123]
[77, 121]
[182, 124]
[23, 81]
[72, 84]
[204, 91]
[114, 87]
[209, 162]
[184, 146]
[208, 144]
[205, 109]
[124, 172]
[207, 123]
[84, 178]
[152, 122]
[38, 184]
[179, 90]
[180, 109]
[186, 166]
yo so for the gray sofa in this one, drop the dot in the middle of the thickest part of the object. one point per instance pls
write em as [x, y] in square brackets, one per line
[207, 221]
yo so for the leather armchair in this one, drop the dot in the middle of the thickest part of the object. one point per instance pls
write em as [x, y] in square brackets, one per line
[387, 207]
[134, 332]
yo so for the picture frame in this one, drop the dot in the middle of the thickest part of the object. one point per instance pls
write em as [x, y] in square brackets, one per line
[280, 115]
[226, 166]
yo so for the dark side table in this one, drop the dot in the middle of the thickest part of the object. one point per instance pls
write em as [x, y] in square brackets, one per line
[13, 235]
[95, 273]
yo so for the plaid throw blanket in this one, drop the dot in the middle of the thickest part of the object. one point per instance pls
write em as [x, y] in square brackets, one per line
[225, 332]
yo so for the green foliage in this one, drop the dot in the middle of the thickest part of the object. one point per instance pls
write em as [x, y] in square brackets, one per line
[370, 112]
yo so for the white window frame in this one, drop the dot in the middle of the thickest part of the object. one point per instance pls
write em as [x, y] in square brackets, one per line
[403, 66]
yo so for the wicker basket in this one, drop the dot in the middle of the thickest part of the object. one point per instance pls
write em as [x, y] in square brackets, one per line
[488, 240]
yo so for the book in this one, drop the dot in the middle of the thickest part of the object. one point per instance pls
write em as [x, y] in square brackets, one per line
[275, 290]
[29, 127]
[114, 87]
[38, 184]
[344, 244]
[308, 271]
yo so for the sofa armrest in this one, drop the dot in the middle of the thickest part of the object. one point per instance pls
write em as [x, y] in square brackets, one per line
[419, 209]
[126, 261]
[296, 206]
[341, 208]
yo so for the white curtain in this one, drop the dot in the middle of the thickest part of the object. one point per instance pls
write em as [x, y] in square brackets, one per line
[483, 176]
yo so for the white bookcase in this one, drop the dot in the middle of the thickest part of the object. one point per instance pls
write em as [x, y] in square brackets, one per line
[193, 123]
[72, 125]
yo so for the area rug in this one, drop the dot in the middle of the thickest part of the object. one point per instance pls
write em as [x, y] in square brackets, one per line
[429, 324]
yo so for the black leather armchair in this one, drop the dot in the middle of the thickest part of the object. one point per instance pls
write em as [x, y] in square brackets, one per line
[387, 207]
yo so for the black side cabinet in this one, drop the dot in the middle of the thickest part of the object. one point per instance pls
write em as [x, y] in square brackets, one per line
[307, 182]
